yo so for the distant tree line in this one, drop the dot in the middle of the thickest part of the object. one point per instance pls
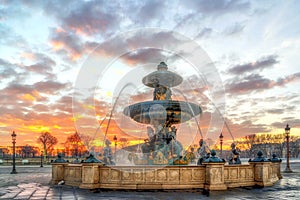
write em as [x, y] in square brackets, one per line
[74, 146]
[268, 143]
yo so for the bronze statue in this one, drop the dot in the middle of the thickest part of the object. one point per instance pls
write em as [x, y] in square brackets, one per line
[202, 152]
[235, 155]
[108, 155]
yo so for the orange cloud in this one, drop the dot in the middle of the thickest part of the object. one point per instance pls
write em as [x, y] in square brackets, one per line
[57, 45]
[28, 97]
[57, 127]
[75, 56]
[38, 128]
[59, 30]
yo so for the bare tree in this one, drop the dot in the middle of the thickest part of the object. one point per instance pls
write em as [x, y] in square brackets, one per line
[295, 146]
[266, 141]
[269, 144]
[87, 141]
[28, 151]
[48, 141]
[75, 145]
[279, 140]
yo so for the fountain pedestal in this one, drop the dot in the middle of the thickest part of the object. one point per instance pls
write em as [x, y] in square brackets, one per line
[214, 176]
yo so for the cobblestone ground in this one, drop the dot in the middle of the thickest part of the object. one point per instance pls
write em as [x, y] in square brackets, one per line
[32, 182]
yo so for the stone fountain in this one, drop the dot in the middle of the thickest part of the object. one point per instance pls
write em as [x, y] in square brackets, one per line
[162, 165]
[162, 113]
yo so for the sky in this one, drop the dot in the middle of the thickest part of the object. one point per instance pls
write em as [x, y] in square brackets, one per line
[238, 60]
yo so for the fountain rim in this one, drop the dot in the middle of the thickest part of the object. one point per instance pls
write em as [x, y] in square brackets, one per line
[191, 109]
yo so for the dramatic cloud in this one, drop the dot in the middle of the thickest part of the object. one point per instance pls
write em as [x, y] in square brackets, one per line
[50, 87]
[92, 17]
[85, 17]
[251, 83]
[246, 128]
[276, 111]
[43, 65]
[66, 43]
[144, 56]
[260, 64]
[154, 47]
[6, 70]
[256, 83]
[288, 79]
[152, 10]
[15, 95]
[293, 123]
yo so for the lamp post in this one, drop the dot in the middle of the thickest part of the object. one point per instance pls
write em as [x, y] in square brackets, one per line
[221, 145]
[115, 139]
[14, 136]
[287, 135]
[41, 159]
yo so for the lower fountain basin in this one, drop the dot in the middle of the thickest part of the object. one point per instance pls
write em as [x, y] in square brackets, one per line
[209, 176]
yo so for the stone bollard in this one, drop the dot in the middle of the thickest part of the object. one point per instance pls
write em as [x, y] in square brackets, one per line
[91, 173]
[90, 176]
[57, 172]
[58, 166]
[262, 170]
[276, 164]
[214, 173]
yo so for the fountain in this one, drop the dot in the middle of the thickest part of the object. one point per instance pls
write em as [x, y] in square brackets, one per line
[162, 164]
[162, 114]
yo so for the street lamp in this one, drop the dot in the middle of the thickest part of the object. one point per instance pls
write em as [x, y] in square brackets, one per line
[14, 136]
[41, 159]
[115, 139]
[221, 144]
[287, 135]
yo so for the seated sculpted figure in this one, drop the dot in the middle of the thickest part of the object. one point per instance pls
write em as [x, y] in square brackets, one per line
[107, 154]
[190, 156]
[202, 152]
[235, 155]
[161, 92]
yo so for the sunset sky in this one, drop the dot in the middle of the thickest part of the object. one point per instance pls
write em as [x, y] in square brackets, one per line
[45, 46]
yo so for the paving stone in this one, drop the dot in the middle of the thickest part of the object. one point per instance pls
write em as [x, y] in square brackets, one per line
[22, 197]
[8, 196]
[2, 192]
[37, 198]
[26, 193]
[40, 190]
[40, 193]
[12, 187]
[28, 185]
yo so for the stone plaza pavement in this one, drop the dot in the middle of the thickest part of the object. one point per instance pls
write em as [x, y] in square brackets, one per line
[32, 182]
